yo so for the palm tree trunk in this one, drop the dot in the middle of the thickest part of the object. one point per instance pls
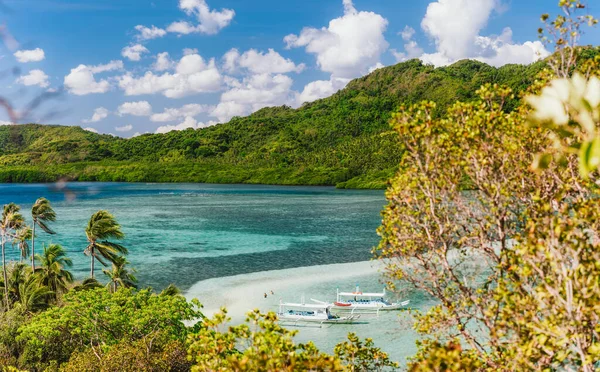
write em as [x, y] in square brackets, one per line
[33, 248]
[92, 264]
[4, 273]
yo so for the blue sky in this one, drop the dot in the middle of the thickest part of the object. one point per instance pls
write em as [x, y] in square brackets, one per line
[232, 57]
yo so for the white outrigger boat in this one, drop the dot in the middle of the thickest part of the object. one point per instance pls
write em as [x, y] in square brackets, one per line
[312, 313]
[358, 300]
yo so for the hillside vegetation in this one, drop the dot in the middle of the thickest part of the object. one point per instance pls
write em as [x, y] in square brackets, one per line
[343, 140]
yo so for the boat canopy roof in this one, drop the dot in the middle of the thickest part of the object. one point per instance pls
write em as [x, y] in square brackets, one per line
[360, 294]
[305, 306]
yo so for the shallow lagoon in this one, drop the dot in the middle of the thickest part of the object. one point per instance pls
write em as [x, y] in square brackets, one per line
[229, 244]
[184, 233]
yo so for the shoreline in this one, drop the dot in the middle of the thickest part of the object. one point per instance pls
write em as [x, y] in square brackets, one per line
[244, 292]
[66, 181]
[391, 331]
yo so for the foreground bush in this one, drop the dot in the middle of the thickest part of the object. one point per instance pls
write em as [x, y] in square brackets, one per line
[100, 323]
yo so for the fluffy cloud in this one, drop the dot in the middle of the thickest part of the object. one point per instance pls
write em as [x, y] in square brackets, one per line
[99, 114]
[35, 77]
[408, 33]
[188, 51]
[171, 114]
[259, 62]
[189, 122]
[455, 26]
[411, 48]
[348, 46]
[230, 60]
[125, 128]
[163, 62]
[500, 50]
[134, 52]
[254, 93]
[149, 33]
[91, 130]
[210, 21]
[321, 89]
[192, 75]
[141, 108]
[226, 110]
[34, 55]
[376, 67]
[81, 79]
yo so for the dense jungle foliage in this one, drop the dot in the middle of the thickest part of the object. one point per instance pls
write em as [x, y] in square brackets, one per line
[342, 140]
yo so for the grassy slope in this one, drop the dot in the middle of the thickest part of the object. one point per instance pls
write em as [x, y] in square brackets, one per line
[340, 140]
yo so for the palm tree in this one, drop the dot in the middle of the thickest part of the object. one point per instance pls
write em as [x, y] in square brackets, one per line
[33, 296]
[101, 227]
[87, 284]
[171, 290]
[51, 272]
[42, 213]
[120, 276]
[16, 277]
[11, 221]
[21, 240]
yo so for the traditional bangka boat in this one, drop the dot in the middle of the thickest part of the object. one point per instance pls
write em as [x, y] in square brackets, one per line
[312, 313]
[366, 301]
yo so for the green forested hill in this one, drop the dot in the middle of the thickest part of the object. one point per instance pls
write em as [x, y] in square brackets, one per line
[341, 140]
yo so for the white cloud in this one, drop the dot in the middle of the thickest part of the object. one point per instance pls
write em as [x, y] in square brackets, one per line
[35, 77]
[253, 93]
[501, 50]
[226, 110]
[411, 48]
[192, 75]
[125, 128]
[141, 108]
[455, 27]
[99, 114]
[230, 60]
[436, 59]
[34, 55]
[455, 24]
[181, 27]
[259, 62]
[188, 51]
[149, 33]
[81, 79]
[134, 52]
[190, 110]
[408, 33]
[91, 130]
[349, 45]
[376, 67]
[210, 21]
[321, 89]
[110, 66]
[189, 122]
[163, 62]
[4, 122]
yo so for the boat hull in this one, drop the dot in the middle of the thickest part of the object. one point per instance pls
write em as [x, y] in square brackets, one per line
[340, 320]
[375, 306]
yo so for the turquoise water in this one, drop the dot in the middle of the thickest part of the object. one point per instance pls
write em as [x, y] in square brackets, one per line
[184, 233]
[228, 245]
